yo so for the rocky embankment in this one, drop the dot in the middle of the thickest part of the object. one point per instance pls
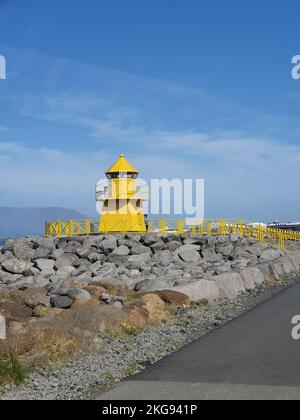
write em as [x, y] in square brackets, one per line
[60, 295]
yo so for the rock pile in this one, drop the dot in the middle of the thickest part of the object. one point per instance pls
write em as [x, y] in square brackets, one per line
[100, 282]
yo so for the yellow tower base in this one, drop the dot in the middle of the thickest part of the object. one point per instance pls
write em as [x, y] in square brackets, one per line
[128, 217]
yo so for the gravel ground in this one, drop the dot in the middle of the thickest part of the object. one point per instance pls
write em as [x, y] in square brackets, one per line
[89, 374]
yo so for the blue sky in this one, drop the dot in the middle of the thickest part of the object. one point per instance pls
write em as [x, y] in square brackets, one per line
[188, 89]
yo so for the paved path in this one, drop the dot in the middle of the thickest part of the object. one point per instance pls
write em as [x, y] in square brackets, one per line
[252, 357]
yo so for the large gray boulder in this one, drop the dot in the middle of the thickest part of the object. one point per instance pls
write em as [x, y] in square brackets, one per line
[139, 249]
[107, 270]
[9, 278]
[265, 269]
[270, 254]
[45, 265]
[158, 247]
[9, 244]
[82, 265]
[121, 250]
[6, 256]
[15, 266]
[65, 260]
[152, 285]
[223, 267]
[151, 239]
[294, 257]
[240, 263]
[48, 243]
[65, 272]
[281, 268]
[23, 250]
[210, 254]
[42, 252]
[165, 258]
[251, 277]
[226, 249]
[40, 281]
[229, 284]
[33, 271]
[57, 253]
[190, 256]
[288, 265]
[173, 245]
[137, 261]
[189, 247]
[84, 251]
[108, 245]
[199, 290]
[235, 238]
[95, 256]
[83, 277]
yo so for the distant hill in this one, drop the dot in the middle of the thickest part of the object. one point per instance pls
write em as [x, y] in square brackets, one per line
[17, 221]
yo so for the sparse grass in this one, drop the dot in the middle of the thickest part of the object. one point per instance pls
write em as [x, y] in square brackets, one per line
[57, 349]
[130, 329]
[131, 298]
[200, 303]
[108, 381]
[11, 370]
[132, 369]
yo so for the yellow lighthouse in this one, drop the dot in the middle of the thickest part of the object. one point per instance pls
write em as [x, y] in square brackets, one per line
[122, 206]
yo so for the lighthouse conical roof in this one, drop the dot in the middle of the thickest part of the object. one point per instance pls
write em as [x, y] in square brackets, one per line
[122, 165]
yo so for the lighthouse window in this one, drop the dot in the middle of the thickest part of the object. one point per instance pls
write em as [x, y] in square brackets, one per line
[121, 175]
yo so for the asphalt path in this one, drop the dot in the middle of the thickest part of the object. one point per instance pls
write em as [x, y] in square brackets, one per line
[253, 357]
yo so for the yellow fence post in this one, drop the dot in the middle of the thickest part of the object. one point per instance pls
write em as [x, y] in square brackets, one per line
[208, 228]
[222, 227]
[180, 227]
[282, 238]
[162, 226]
[201, 228]
[58, 229]
[241, 227]
[87, 227]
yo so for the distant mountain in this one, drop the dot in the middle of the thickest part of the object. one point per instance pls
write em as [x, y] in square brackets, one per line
[17, 221]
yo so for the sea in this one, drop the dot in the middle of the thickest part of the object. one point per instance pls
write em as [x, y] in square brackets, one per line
[1, 242]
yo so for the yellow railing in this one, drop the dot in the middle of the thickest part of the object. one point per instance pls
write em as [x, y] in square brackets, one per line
[276, 237]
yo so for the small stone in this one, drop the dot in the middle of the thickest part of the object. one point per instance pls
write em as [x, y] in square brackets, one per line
[79, 294]
[63, 302]
[118, 305]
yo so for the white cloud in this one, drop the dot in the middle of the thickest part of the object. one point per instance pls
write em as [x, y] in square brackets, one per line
[244, 176]
[168, 130]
